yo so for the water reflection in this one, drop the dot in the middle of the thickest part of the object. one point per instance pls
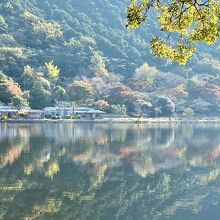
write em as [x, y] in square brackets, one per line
[94, 171]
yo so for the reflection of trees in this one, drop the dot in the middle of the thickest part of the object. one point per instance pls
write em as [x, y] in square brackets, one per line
[11, 149]
[100, 171]
[143, 166]
[52, 168]
[98, 176]
[50, 206]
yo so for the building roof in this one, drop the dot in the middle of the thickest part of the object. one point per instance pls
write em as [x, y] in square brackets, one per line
[50, 108]
[32, 111]
[93, 111]
[57, 107]
[84, 108]
[8, 109]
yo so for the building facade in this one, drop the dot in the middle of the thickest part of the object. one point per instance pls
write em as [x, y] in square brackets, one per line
[88, 113]
[8, 111]
[33, 114]
[58, 111]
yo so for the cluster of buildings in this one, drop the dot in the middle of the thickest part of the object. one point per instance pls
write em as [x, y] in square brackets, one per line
[51, 112]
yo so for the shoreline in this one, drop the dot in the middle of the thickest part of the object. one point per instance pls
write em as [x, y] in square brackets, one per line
[120, 121]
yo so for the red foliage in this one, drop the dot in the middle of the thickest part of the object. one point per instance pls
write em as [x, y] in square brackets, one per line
[211, 89]
[13, 88]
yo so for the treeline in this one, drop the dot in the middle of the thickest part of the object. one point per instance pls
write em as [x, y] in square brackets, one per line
[56, 52]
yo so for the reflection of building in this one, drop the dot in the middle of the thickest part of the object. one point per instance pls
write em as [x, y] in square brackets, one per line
[58, 111]
[9, 111]
[11, 132]
[88, 113]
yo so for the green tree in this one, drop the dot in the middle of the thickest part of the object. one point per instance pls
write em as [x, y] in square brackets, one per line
[40, 97]
[52, 71]
[144, 77]
[119, 109]
[3, 24]
[188, 113]
[144, 107]
[165, 105]
[98, 65]
[80, 91]
[19, 102]
[28, 70]
[191, 20]
[50, 28]
[145, 72]
[59, 94]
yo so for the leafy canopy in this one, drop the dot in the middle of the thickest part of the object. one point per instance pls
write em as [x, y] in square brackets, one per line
[28, 70]
[51, 29]
[189, 20]
[52, 71]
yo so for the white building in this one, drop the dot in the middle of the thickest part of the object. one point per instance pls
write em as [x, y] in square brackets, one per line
[58, 111]
[33, 114]
[88, 112]
[9, 111]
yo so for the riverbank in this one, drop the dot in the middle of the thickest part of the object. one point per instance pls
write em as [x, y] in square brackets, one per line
[121, 121]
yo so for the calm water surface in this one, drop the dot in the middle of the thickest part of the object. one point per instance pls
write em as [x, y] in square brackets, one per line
[91, 171]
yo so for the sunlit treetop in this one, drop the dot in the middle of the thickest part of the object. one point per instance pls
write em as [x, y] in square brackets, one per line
[191, 20]
[51, 28]
[52, 71]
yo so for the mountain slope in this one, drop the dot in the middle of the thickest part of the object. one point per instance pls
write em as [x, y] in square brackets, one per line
[72, 32]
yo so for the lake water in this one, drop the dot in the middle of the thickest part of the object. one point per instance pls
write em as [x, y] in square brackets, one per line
[58, 171]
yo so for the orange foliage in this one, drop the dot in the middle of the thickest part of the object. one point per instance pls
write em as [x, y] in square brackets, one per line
[215, 153]
[178, 91]
[13, 88]
[211, 89]
[12, 154]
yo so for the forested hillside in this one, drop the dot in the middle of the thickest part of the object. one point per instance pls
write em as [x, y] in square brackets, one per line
[79, 51]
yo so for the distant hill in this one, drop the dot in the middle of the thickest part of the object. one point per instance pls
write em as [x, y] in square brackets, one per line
[73, 32]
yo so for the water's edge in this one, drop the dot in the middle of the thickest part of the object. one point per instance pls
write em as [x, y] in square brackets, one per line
[117, 121]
